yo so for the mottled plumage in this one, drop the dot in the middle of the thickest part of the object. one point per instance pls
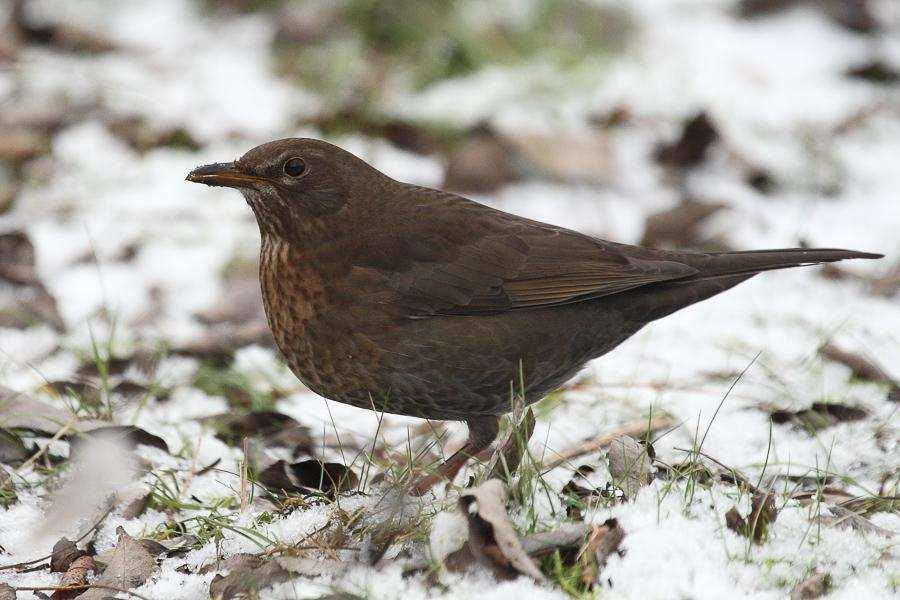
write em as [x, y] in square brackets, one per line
[420, 302]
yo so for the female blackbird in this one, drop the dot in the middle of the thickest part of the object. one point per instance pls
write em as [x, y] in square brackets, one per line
[395, 297]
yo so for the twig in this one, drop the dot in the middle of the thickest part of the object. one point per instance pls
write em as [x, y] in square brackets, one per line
[245, 488]
[635, 428]
[73, 588]
[84, 535]
[62, 431]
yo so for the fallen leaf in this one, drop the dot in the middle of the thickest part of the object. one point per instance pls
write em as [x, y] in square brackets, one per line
[876, 71]
[860, 366]
[252, 573]
[509, 452]
[567, 535]
[75, 575]
[12, 449]
[689, 150]
[492, 539]
[308, 476]
[272, 429]
[682, 226]
[762, 514]
[820, 415]
[855, 15]
[479, 164]
[584, 158]
[845, 518]
[814, 586]
[19, 411]
[603, 542]
[7, 592]
[24, 299]
[64, 552]
[629, 464]
[129, 567]
[129, 434]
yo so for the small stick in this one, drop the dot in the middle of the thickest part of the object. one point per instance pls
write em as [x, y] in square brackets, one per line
[634, 429]
[245, 488]
[73, 588]
[62, 431]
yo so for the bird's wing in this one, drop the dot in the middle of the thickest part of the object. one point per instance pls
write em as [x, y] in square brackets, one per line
[457, 257]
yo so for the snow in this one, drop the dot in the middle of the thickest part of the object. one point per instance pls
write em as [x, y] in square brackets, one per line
[774, 87]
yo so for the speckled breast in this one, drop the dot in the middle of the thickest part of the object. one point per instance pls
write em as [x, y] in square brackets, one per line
[315, 338]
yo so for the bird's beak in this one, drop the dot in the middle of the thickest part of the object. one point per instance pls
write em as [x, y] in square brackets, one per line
[221, 174]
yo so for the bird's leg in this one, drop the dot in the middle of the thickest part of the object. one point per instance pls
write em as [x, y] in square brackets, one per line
[483, 431]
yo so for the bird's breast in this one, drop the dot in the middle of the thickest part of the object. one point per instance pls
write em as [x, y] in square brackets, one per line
[312, 332]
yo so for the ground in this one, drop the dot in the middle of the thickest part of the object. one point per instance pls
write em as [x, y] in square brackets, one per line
[140, 306]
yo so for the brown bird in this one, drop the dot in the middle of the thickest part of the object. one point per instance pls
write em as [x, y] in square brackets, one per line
[414, 301]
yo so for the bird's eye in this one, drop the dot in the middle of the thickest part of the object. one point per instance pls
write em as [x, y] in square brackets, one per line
[294, 167]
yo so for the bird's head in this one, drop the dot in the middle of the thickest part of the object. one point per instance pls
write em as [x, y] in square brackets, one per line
[291, 182]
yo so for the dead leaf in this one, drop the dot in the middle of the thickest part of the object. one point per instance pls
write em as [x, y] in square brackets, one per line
[271, 428]
[25, 299]
[252, 573]
[19, 411]
[479, 164]
[689, 150]
[567, 535]
[7, 592]
[308, 476]
[820, 415]
[762, 514]
[129, 434]
[876, 71]
[846, 518]
[492, 539]
[814, 586]
[219, 342]
[509, 453]
[12, 448]
[630, 466]
[860, 366]
[682, 227]
[75, 575]
[129, 567]
[64, 552]
[604, 540]
[855, 15]
[584, 158]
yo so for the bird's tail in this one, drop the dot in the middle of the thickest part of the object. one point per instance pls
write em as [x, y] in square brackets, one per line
[719, 271]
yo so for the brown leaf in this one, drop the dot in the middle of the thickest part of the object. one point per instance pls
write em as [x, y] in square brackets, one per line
[762, 514]
[814, 586]
[584, 158]
[7, 592]
[480, 164]
[604, 540]
[272, 429]
[567, 535]
[876, 71]
[510, 451]
[25, 299]
[75, 575]
[492, 539]
[682, 226]
[131, 435]
[129, 567]
[252, 573]
[845, 518]
[308, 476]
[860, 366]
[629, 465]
[18, 411]
[689, 150]
[12, 448]
[855, 15]
[64, 552]
[820, 415]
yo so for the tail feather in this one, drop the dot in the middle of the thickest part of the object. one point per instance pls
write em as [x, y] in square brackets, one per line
[756, 261]
[718, 272]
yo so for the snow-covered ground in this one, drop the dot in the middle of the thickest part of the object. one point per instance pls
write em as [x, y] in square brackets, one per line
[775, 87]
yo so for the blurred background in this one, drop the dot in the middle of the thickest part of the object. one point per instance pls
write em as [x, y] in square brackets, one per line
[129, 294]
